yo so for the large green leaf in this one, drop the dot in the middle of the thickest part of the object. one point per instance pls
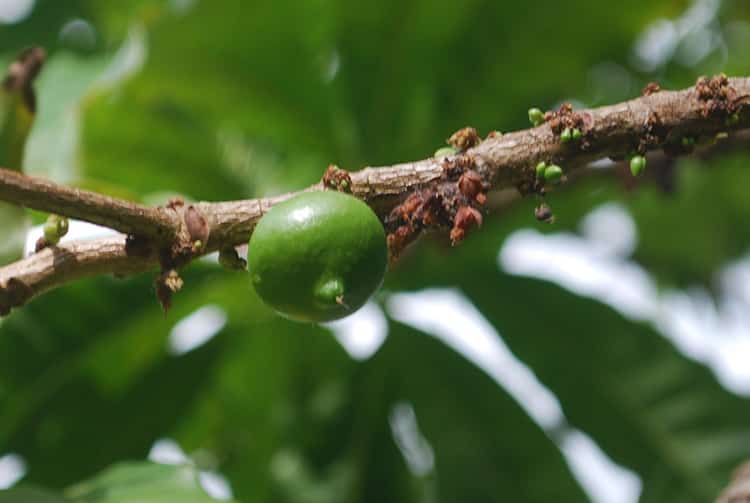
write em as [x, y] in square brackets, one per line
[124, 483]
[141, 482]
[485, 446]
[67, 381]
[30, 495]
[296, 420]
[646, 405]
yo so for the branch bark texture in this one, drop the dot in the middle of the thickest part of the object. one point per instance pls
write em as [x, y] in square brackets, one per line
[444, 193]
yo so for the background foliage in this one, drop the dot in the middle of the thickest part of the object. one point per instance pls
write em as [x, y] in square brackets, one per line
[233, 99]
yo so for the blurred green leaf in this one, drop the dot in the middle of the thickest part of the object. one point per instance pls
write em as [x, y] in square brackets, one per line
[141, 482]
[30, 495]
[647, 406]
[709, 202]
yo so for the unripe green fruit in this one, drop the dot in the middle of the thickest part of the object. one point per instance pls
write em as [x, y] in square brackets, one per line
[553, 174]
[637, 164]
[445, 152]
[540, 169]
[54, 228]
[318, 256]
[566, 135]
[536, 116]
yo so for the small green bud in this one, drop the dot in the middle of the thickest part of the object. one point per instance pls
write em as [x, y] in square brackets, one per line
[540, 169]
[536, 116]
[344, 184]
[553, 174]
[577, 134]
[733, 119]
[445, 152]
[566, 135]
[50, 234]
[54, 228]
[688, 141]
[637, 165]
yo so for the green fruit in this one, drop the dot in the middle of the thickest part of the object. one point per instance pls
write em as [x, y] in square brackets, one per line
[536, 116]
[637, 164]
[54, 228]
[540, 169]
[566, 135]
[553, 174]
[445, 152]
[318, 256]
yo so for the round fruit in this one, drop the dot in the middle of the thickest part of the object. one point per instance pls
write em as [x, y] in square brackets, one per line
[318, 256]
[553, 173]
[637, 164]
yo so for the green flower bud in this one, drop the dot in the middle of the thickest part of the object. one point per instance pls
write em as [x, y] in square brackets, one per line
[445, 152]
[577, 134]
[536, 116]
[688, 141]
[733, 119]
[553, 174]
[54, 228]
[540, 169]
[566, 135]
[637, 165]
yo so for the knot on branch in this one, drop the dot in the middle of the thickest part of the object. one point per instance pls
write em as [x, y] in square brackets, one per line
[568, 125]
[718, 96]
[337, 179]
[197, 228]
[191, 238]
[654, 133]
[651, 88]
[449, 204]
[464, 139]
[14, 293]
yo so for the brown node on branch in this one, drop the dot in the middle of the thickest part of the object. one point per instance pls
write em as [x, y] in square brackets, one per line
[337, 178]
[197, 227]
[718, 97]
[464, 139]
[14, 293]
[565, 118]
[448, 205]
[454, 167]
[470, 184]
[22, 72]
[651, 88]
[422, 209]
[493, 135]
[655, 133]
[175, 202]
[466, 219]
[166, 284]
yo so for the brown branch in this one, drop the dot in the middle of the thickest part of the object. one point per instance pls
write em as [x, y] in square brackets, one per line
[124, 216]
[738, 490]
[435, 193]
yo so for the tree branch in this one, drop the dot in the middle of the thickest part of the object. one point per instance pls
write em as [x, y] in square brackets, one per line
[436, 193]
[738, 490]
